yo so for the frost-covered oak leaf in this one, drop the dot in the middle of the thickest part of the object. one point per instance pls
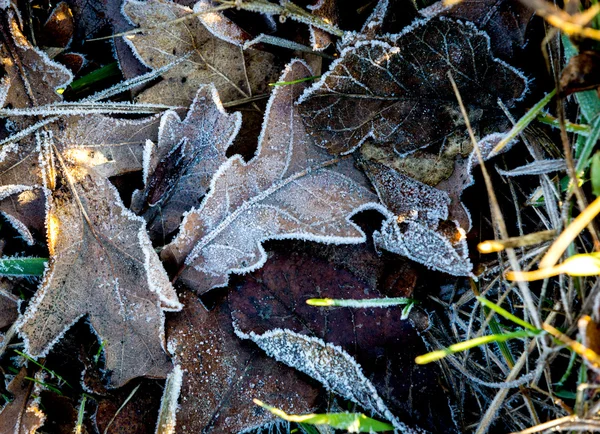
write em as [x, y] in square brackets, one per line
[290, 189]
[102, 265]
[382, 344]
[396, 91]
[215, 54]
[178, 170]
[222, 374]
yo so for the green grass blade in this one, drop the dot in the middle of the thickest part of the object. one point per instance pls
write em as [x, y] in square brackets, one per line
[509, 316]
[80, 414]
[46, 385]
[520, 126]
[582, 130]
[352, 422]
[22, 266]
[370, 302]
[300, 80]
[110, 70]
[583, 155]
[38, 364]
[472, 343]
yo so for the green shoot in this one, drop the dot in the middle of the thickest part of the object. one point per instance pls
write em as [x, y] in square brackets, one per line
[110, 70]
[545, 118]
[80, 414]
[49, 371]
[22, 266]
[509, 316]
[409, 303]
[520, 126]
[352, 422]
[300, 80]
[99, 352]
[46, 385]
[595, 174]
[472, 343]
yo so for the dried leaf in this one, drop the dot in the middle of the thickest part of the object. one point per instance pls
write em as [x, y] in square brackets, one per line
[59, 27]
[505, 21]
[396, 91]
[178, 171]
[222, 374]
[31, 77]
[581, 73]
[22, 415]
[290, 189]
[376, 339]
[328, 11]
[420, 229]
[235, 73]
[8, 307]
[102, 265]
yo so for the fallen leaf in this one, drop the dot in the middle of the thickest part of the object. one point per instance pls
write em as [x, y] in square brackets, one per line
[222, 374]
[419, 229]
[328, 11]
[22, 415]
[290, 189]
[8, 307]
[270, 308]
[581, 73]
[59, 27]
[395, 90]
[102, 265]
[505, 21]
[31, 77]
[236, 73]
[179, 169]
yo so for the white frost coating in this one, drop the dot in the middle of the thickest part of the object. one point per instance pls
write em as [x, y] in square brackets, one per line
[4, 85]
[167, 414]
[327, 363]
[219, 25]
[20, 228]
[146, 156]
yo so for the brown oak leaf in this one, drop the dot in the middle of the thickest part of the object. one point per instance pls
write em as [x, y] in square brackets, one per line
[270, 308]
[236, 73]
[222, 374]
[290, 189]
[179, 169]
[395, 89]
[101, 265]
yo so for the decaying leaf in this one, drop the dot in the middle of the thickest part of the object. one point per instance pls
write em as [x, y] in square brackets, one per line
[395, 90]
[581, 73]
[420, 229]
[8, 307]
[179, 169]
[236, 73]
[270, 308]
[22, 415]
[31, 77]
[505, 21]
[328, 11]
[290, 189]
[222, 374]
[59, 27]
[102, 265]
